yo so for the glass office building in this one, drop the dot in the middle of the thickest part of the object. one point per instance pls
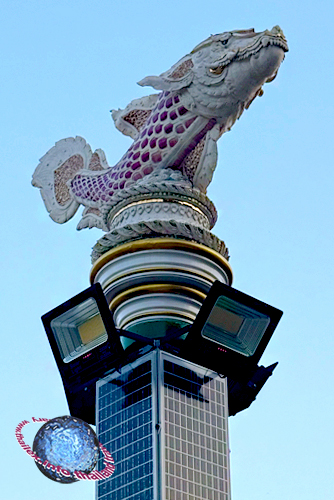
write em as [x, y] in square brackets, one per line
[164, 420]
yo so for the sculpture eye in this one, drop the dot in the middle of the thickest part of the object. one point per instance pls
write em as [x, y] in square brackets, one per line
[216, 71]
[224, 42]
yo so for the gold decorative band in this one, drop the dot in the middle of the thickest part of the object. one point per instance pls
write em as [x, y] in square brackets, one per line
[161, 243]
[156, 288]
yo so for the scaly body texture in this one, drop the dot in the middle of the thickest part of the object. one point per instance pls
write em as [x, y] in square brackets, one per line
[175, 132]
[170, 133]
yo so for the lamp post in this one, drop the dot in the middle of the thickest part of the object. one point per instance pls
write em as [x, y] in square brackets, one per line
[162, 401]
[160, 349]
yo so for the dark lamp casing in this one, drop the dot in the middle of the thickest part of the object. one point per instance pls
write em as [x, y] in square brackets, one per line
[85, 344]
[230, 332]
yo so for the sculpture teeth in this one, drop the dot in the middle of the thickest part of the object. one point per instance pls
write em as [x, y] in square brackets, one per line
[269, 38]
[265, 41]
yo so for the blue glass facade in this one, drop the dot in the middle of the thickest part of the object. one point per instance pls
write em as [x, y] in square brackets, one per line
[125, 429]
[164, 421]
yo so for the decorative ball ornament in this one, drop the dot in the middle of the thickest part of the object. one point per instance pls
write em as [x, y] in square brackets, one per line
[69, 444]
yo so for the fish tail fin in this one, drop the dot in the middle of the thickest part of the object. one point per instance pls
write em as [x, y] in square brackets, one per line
[57, 168]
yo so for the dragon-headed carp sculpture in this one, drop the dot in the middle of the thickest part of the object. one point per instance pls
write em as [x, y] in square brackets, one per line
[159, 185]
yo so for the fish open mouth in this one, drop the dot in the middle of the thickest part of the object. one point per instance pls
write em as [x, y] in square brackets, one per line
[274, 37]
[258, 41]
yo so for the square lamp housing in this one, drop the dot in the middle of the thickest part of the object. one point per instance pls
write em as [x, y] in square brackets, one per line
[231, 331]
[85, 344]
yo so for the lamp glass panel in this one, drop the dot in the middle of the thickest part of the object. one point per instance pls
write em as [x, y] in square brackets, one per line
[79, 330]
[236, 326]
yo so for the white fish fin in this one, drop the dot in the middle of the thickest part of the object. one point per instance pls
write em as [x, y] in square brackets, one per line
[179, 76]
[131, 119]
[57, 168]
[91, 217]
[208, 160]
[98, 161]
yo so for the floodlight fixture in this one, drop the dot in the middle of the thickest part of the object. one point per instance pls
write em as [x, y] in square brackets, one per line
[228, 336]
[85, 344]
[230, 332]
[242, 394]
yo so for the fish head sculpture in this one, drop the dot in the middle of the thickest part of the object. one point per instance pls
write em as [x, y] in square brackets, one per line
[224, 73]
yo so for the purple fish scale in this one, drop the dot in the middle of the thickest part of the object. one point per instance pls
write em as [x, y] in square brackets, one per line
[164, 128]
[169, 102]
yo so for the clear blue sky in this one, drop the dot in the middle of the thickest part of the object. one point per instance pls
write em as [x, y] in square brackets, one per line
[64, 65]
